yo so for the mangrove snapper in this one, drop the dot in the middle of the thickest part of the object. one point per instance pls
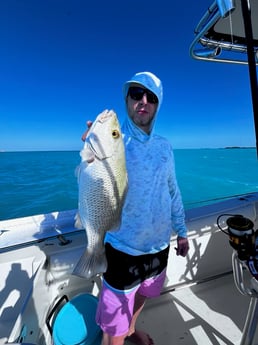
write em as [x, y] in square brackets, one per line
[102, 183]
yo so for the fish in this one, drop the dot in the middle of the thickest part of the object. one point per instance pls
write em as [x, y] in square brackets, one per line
[102, 187]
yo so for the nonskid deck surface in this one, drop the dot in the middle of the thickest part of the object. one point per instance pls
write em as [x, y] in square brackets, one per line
[209, 313]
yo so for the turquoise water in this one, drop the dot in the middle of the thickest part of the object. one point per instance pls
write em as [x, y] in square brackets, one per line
[41, 182]
[208, 174]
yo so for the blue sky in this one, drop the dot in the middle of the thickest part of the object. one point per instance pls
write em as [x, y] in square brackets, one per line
[63, 62]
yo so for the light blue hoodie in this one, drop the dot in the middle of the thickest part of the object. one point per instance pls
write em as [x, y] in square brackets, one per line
[153, 207]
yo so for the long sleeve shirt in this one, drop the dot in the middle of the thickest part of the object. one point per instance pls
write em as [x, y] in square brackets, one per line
[153, 207]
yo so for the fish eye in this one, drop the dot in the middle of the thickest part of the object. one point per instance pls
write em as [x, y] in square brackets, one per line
[115, 134]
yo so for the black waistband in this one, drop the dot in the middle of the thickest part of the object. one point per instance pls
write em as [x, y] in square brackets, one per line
[125, 271]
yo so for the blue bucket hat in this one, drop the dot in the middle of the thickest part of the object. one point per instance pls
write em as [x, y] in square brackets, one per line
[147, 80]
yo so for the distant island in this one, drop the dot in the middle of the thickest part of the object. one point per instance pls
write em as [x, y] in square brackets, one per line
[239, 147]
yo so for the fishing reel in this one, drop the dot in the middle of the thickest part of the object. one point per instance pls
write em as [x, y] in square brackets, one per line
[243, 239]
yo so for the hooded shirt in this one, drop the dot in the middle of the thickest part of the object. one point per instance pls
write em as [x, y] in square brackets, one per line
[153, 207]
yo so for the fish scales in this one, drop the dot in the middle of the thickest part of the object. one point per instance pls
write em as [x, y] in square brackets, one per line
[102, 184]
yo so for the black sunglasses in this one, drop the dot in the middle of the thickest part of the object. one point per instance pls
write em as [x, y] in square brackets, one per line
[136, 93]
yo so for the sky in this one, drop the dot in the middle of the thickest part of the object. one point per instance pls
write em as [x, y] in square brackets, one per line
[63, 62]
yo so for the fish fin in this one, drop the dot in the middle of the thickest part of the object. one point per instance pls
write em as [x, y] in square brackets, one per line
[78, 222]
[90, 264]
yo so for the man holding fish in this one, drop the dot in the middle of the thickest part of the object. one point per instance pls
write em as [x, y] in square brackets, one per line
[137, 248]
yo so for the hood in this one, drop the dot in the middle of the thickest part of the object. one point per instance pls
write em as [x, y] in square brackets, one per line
[152, 83]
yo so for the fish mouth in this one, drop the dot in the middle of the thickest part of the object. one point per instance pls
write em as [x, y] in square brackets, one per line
[105, 115]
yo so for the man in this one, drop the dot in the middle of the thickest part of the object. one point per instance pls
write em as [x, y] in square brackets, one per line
[137, 252]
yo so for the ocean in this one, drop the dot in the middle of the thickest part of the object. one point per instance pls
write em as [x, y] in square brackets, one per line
[41, 182]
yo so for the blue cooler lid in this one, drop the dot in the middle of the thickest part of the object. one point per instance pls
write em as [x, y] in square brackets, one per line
[75, 323]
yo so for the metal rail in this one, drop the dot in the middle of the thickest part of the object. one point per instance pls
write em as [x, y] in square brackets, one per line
[251, 291]
[206, 48]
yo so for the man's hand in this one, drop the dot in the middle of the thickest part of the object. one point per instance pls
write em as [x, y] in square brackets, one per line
[89, 123]
[182, 246]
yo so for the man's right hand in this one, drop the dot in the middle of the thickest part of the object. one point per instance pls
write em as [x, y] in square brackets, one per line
[89, 123]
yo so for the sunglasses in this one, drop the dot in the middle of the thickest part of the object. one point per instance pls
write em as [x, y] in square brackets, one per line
[136, 93]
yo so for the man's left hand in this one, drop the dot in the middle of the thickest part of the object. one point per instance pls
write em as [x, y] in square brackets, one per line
[182, 246]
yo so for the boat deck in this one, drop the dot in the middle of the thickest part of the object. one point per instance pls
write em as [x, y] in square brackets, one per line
[208, 313]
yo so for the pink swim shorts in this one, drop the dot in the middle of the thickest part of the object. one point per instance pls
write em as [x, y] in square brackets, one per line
[123, 279]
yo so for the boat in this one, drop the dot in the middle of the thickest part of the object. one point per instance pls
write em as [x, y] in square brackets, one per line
[209, 297]
[203, 301]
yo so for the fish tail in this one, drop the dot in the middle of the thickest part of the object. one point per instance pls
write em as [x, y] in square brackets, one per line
[90, 264]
